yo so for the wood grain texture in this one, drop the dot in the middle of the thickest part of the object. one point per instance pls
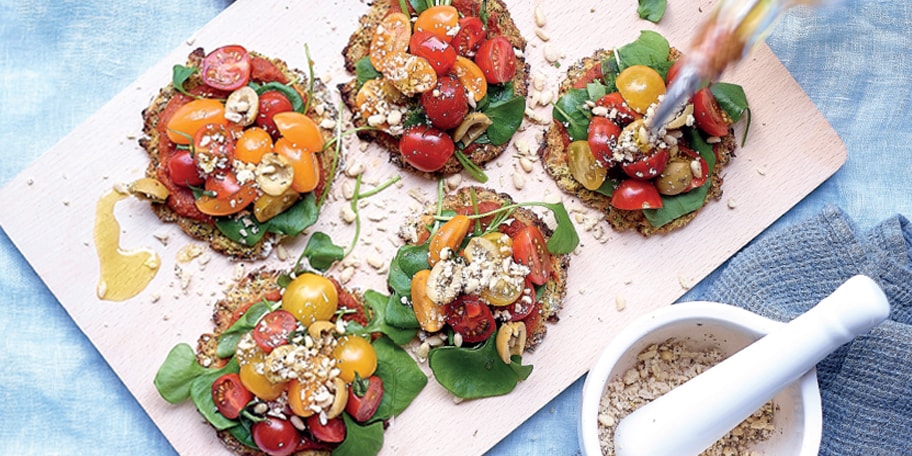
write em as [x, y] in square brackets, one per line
[49, 214]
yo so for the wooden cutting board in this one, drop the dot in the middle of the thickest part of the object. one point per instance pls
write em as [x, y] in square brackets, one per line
[49, 212]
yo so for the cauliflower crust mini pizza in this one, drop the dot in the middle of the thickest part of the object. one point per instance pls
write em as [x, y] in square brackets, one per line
[442, 88]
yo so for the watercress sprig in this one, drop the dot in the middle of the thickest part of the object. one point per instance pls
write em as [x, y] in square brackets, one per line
[474, 170]
[310, 85]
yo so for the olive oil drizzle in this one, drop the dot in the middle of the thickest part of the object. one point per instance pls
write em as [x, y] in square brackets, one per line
[124, 274]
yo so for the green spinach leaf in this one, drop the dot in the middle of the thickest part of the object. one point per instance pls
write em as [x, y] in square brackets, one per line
[610, 71]
[571, 111]
[378, 303]
[472, 373]
[506, 113]
[650, 49]
[678, 205]
[201, 393]
[651, 10]
[732, 99]
[365, 71]
[360, 440]
[243, 228]
[409, 259]
[227, 342]
[399, 314]
[321, 253]
[177, 373]
[297, 218]
[402, 378]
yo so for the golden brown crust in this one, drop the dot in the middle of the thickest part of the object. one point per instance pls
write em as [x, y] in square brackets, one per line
[552, 151]
[358, 47]
[320, 110]
[555, 290]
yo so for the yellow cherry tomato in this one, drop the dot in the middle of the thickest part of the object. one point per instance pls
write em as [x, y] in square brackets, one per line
[471, 76]
[441, 20]
[301, 130]
[583, 165]
[300, 397]
[505, 291]
[449, 235]
[310, 297]
[305, 163]
[503, 243]
[640, 86]
[354, 354]
[392, 35]
[252, 145]
[253, 378]
[190, 117]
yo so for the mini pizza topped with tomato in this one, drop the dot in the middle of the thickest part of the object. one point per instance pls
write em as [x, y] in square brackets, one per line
[442, 87]
[236, 144]
[481, 275]
[291, 369]
[602, 148]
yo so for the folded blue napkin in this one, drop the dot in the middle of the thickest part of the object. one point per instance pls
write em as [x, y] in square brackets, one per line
[866, 385]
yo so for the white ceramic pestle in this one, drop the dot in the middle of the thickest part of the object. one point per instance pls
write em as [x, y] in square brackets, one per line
[691, 417]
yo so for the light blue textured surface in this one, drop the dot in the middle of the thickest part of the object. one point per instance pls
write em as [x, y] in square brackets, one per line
[60, 60]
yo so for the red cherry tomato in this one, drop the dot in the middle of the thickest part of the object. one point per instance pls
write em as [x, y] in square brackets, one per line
[523, 307]
[529, 248]
[275, 436]
[435, 50]
[225, 195]
[274, 329]
[364, 398]
[603, 139]
[496, 59]
[647, 166]
[673, 71]
[533, 321]
[226, 68]
[633, 194]
[230, 396]
[704, 167]
[615, 101]
[183, 171]
[272, 102]
[470, 317]
[331, 432]
[470, 36]
[708, 114]
[446, 105]
[426, 148]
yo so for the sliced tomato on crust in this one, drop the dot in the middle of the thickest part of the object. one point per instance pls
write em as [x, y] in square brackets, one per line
[262, 70]
[529, 248]
[274, 329]
[226, 68]
[230, 396]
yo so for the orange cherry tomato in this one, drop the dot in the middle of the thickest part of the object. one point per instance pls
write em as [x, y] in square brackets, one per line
[301, 130]
[300, 397]
[441, 20]
[304, 162]
[471, 77]
[392, 35]
[355, 354]
[252, 145]
[193, 115]
[449, 235]
[230, 196]
[430, 315]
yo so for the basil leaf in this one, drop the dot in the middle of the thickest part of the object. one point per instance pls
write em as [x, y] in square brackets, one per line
[321, 253]
[295, 219]
[571, 111]
[365, 71]
[297, 103]
[402, 378]
[409, 259]
[651, 10]
[228, 340]
[731, 98]
[243, 228]
[472, 373]
[685, 203]
[650, 49]
[565, 238]
[201, 393]
[179, 75]
[360, 440]
[177, 373]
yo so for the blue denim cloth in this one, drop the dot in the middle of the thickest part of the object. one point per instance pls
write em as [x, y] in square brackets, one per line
[61, 60]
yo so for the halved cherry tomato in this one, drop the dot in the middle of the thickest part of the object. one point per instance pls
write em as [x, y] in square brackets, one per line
[470, 317]
[193, 115]
[698, 180]
[392, 35]
[448, 236]
[633, 194]
[300, 129]
[331, 432]
[647, 166]
[471, 77]
[428, 313]
[364, 398]
[529, 248]
[615, 100]
[483, 207]
[253, 378]
[584, 167]
[272, 102]
[446, 105]
[673, 71]
[641, 86]
[230, 396]
[252, 145]
[354, 354]
[183, 171]
[533, 320]
[435, 50]
[426, 148]
[300, 396]
[310, 297]
[708, 114]
[603, 139]
[441, 20]
[523, 306]
[471, 34]
[274, 329]
[213, 142]
[275, 436]
[230, 196]
[305, 163]
[496, 59]
[226, 68]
